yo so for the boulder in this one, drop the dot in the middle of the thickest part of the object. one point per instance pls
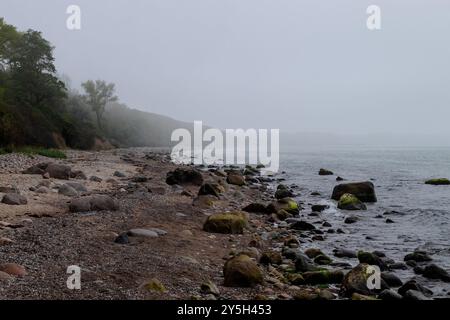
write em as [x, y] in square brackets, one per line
[302, 226]
[364, 191]
[67, 191]
[93, 203]
[418, 256]
[242, 271]
[357, 281]
[391, 279]
[312, 253]
[438, 182]
[78, 174]
[209, 287]
[319, 207]
[287, 204]
[414, 285]
[77, 186]
[255, 208]
[184, 176]
[213, 189]
[351, 219]
[236, 179]
[271, 257]
[226, 223]
[322, 260]
[58, 171]
[371, 259]
[325, 172]
[350, 202]
[432, 271]
[415, 296]
[95, 179]
[389, 295]
[143, 233]
[283, 192]
[155, 285]
[323, 277]
[344, 253]
[14, 199]
[119, 174]
[302, 263]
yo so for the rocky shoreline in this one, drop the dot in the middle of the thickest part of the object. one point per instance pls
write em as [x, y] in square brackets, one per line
[141, 227]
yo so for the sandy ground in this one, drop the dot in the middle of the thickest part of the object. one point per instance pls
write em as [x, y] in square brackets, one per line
[47, 238]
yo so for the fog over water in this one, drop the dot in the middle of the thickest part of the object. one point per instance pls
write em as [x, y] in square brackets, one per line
[301, 66]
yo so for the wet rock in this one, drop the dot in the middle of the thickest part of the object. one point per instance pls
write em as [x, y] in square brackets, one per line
[432, 271]
[302, 262]
[325, 172]
[95, 179]
[310, 294]
[364, 191]
[418, 256]
[415, 295]
[209, 287]
[242, 271]
[391, 279]
[389, 221]
[319, 207]
[213, 189]
[143, 233]
[414, 285]
[122, 239]
[344, 253]
[389, 295]
[183, 176]
[357, 279]
[286, 204]
[371, 259]
[14, 199]
[283, 215]
[67, 191]
[302, 226]
[323, 277]
[322, 260]
[438, 182]
[255, 208]
[13, 269]
[313, 252]
[397, 266]
[339, 179]
[271, 257]
[236, 179]
[350, 202]
[351, 220]
[228, 222]
[93, 203]
[283, 192]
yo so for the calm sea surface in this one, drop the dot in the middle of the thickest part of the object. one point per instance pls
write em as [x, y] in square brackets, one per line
[423, 220]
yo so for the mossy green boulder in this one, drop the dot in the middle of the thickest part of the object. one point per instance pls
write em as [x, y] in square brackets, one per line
[242, 271]
[349, 201]
[287, 204]
[226, 223]
[438, 182]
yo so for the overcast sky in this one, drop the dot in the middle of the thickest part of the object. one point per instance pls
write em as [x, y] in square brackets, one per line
[290, 64]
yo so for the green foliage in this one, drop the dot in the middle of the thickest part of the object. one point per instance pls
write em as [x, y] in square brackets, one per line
[30, 150]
